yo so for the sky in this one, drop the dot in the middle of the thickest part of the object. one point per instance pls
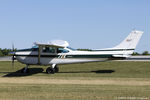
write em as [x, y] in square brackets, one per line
[93, 24]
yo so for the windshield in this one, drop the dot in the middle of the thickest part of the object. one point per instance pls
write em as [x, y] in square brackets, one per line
[35, 48]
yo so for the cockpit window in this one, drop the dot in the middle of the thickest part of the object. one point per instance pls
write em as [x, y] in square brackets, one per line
[48, 50]
[35, 48]
[61, 50]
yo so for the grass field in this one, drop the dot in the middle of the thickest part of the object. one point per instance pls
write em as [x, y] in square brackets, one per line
[90, 81]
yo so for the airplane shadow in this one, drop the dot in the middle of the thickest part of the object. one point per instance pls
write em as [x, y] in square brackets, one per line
[33, 71]
[104, 71]
[96, 71]
[19, 74]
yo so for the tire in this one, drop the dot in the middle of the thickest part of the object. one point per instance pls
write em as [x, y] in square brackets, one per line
[56, 69]
[50, 70]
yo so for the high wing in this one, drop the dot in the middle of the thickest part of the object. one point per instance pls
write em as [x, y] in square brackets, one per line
[55, 43]
[49, 45]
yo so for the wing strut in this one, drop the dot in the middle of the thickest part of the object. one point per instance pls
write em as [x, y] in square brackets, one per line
[39, 54]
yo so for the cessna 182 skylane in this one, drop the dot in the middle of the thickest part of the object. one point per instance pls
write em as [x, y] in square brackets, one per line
[58, 52]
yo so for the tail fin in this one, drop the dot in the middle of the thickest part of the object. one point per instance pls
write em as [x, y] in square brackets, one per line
[129, 44]
[131, 41]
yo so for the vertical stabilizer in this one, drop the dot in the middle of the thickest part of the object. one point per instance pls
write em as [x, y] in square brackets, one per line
[131, 41]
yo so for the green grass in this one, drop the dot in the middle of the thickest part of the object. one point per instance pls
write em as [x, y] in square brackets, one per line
[70, 92]
[93, 70]
[89, 71]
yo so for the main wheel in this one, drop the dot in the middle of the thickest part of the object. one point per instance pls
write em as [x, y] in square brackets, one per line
[56, 69]
[50, 70]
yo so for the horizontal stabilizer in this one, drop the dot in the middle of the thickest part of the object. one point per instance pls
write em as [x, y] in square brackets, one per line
[121, 56]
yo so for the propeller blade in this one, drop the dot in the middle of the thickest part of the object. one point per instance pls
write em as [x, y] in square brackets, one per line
[13, 61]
[13, 49]
[13, 57]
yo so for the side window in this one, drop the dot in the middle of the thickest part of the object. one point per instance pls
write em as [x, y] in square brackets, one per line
[48, 50]
[61, 50]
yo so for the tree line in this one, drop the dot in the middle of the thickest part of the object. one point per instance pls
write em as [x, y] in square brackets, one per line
[6, 52]
[144, 53]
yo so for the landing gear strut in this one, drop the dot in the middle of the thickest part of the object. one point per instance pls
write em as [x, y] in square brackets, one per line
[53, 69]
[25, 70]
[56, 69]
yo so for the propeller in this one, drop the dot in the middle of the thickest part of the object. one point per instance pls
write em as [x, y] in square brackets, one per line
[13, 52]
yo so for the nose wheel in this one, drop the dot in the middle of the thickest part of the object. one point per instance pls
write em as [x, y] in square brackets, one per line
[53, 69]
[25, 70]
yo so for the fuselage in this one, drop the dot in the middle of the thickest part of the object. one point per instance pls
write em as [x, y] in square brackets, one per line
[66, 55]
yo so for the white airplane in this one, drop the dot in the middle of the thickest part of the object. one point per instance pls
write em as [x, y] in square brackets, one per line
[58, 52]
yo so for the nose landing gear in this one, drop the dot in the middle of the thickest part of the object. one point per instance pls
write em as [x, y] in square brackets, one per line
[25, 70]
[53, 69]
